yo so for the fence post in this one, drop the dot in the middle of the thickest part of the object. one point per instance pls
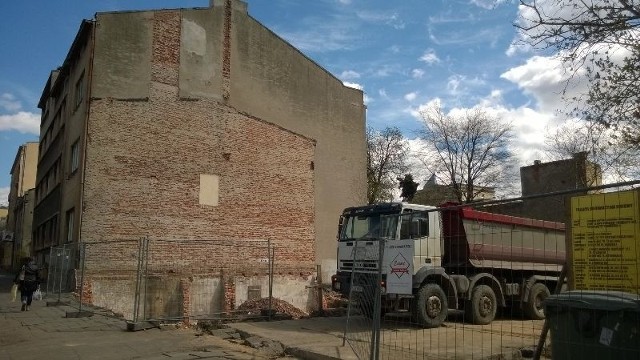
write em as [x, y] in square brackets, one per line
[375, 335]
[83, 252]
[49, 271]
[145, 276]
[349, 305]
[272, 255]
[136, 299]
[62, 270]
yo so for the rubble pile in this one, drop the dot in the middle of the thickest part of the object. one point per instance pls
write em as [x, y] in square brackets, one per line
[333, 299]
[261, 306]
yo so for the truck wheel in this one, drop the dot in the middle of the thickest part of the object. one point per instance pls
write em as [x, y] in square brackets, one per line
[481, 310]
[533, 308]
[429, 307]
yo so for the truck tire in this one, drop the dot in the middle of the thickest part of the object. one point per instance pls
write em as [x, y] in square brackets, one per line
[429, 307]
[533, 308]
[482, 308]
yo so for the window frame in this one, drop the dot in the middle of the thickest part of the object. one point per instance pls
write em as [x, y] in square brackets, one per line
[69, 223]
[74, 159]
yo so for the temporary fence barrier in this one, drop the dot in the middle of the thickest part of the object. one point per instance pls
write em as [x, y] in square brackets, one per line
[164, 280]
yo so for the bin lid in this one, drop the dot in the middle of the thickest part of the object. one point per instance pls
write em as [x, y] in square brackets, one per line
[597, 300]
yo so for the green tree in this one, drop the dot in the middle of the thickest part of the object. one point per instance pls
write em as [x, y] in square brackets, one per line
[408, 187]
[386, 158]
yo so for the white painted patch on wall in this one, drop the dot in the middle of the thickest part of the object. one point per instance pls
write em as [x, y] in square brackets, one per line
[194, 38]
[209, 193]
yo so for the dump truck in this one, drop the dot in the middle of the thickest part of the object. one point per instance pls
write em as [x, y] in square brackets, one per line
[449, 257]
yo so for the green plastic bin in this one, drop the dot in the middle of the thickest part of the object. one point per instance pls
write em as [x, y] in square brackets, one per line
[594, 325]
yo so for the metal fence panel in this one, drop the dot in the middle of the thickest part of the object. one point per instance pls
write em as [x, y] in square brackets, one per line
[204, 279]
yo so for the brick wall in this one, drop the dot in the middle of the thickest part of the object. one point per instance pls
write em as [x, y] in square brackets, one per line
[143, 165]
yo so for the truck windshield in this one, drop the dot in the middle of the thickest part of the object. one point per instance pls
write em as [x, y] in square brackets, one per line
[370, 226]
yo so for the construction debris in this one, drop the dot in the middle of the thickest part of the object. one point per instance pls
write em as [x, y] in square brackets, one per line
[261, 307]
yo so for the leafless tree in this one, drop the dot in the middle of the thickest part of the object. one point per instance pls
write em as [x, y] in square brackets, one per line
[618, 161]
[467, 151]
[602, 39]
[386, 159]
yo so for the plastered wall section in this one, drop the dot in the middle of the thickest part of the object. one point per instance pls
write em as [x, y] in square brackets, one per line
[147, 148]
[272, 80]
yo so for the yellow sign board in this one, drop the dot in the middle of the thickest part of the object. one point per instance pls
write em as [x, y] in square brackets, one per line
[605, 242]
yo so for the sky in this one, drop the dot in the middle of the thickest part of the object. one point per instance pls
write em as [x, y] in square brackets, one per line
[404, 55]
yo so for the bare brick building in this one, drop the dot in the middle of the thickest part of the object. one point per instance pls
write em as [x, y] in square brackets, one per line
[196, 124]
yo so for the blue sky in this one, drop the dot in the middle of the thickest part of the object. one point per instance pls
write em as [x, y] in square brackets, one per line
[404, 55]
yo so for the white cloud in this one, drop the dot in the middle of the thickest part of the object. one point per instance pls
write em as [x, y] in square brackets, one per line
[349, 74]
[392, 20]
[388, 70]
[352, 85]
[344, 2]
[321, 34]
[4, 196]
[430, 57]
[9, 103]
[488, 4]
[24, 122]
[529, 125]
[546, 79]
[460, 84]
[411, 96]
[518, 47]
[453, 84]
[466, 36]
[417, 73]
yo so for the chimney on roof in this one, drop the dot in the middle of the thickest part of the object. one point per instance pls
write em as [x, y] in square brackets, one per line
[235, 4]
[537, 162]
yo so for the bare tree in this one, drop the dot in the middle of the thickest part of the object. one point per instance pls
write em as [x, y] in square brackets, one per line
[386, 159]
[468, 151]
[618, 160]
[600, 38]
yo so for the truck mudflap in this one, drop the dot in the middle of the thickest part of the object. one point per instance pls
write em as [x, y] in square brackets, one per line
[487, 279]
[439, 276]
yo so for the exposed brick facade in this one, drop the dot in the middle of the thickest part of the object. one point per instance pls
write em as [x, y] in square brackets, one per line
[173, 97]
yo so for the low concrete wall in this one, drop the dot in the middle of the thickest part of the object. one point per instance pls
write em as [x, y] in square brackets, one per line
[175, 297]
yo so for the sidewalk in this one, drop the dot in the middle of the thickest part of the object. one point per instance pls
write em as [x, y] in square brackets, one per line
[312, 339]
[45, 333]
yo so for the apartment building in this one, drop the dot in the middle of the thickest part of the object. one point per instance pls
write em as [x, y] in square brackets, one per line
[196, 124]
[19, 217]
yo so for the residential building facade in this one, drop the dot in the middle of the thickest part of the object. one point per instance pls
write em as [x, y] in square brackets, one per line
[538, 179]
[197, 124]
[23, 179]
[543, 178]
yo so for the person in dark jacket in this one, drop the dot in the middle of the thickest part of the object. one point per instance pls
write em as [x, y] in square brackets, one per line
[28, 281]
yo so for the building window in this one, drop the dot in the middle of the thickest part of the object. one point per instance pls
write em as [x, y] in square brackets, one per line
[70, 220]
[75, 156]
[79, 95]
